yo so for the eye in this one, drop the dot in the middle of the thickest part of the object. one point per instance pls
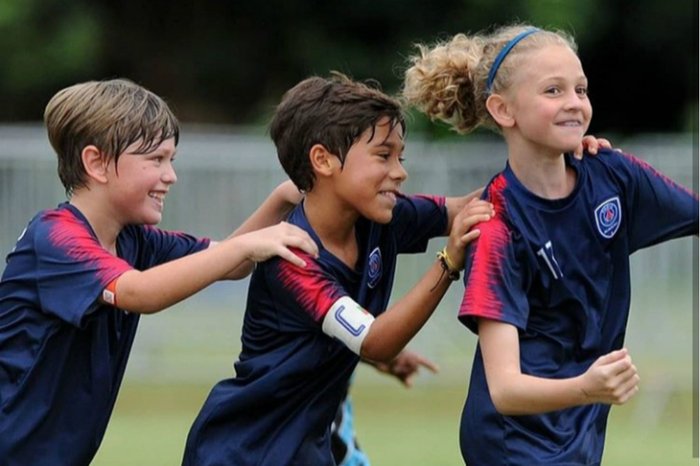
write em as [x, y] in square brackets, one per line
[402, 159]
[582, 90]
[553, 90]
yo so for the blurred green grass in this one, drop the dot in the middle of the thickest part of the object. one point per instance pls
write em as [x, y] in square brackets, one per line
[396, 426]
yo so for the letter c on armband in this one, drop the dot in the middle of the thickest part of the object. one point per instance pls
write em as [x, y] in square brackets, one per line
[348, 322]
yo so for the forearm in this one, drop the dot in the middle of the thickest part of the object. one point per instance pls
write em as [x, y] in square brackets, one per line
[241, 271]
[392, 330]
[524, 394]
[157, 288]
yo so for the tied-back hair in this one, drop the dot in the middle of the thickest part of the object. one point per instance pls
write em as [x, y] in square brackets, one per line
[111, 115]
[447, 80]
[333, 112]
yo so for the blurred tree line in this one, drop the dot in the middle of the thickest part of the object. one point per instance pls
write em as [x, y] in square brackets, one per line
[230, 61]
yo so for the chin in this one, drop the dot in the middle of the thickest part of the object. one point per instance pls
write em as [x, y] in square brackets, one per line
[382, 218]
[151, 220]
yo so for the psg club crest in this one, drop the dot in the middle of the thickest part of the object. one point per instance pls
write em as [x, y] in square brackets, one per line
[608, 216]
[374, 271]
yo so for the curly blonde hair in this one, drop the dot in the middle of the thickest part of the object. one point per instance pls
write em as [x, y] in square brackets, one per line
[447, 81]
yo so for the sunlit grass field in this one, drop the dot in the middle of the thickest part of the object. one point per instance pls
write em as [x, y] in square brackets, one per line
[397, 426]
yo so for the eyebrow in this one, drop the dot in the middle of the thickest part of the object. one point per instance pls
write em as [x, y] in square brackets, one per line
[391, 145]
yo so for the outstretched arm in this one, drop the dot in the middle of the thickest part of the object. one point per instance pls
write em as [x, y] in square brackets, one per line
[611, 379]
[157, 288]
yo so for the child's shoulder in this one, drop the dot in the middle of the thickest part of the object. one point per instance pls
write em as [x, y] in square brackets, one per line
[48, 220]
[615, 163]
[609, 158]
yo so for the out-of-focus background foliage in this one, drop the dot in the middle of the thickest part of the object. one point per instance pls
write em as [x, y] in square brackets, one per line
[229, 61]
[224, 64]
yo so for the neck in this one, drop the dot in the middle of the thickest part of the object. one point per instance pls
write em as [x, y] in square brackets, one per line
[334, 225]
[103, 224]
[546, 176]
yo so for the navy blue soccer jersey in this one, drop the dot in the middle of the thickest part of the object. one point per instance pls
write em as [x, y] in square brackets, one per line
[558, 270]
[291, 376]
[62, 354]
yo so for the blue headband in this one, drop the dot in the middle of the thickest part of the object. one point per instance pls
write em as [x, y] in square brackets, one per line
[502, 55]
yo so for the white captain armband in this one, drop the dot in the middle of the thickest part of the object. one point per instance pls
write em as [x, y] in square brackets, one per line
[348, 322]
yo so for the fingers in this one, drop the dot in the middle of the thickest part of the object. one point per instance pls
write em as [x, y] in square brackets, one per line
[306, 244]
[620, 366]
[407, 364]
[408, 380]
[604, 143]
[278, 240]
[298, 238]
[618, 377]
[469, 237]
[613, 356]
[474, 212]
[288, 255]
[589, 143]
[428, 364]
[628, 389]
[624, 386]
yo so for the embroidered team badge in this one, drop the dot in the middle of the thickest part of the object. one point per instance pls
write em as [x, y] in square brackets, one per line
[608, 216]
[374, 271]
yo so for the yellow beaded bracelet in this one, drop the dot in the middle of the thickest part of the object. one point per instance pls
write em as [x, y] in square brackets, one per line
[447, 265]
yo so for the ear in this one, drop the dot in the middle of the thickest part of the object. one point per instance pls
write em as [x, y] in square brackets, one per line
[322, 161]
[500, 110]
[94, 163]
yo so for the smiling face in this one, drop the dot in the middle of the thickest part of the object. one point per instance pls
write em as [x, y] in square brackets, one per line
[371, 177]
[549, 99]
[139, 183]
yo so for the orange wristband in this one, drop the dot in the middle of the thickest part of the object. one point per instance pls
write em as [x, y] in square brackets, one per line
[109, 294]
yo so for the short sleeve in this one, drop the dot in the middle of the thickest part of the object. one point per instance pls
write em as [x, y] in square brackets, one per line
[301, 294]
[164, 246]
[72, 268]
[659, 208]
[494, 282]
[416, 220]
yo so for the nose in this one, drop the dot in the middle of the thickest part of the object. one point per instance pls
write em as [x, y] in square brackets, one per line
[169, 176]
[574, 101]
[398, 172]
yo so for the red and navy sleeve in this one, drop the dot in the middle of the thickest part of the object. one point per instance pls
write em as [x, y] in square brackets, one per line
[493, 279]
[72, 268]
[302, 294]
